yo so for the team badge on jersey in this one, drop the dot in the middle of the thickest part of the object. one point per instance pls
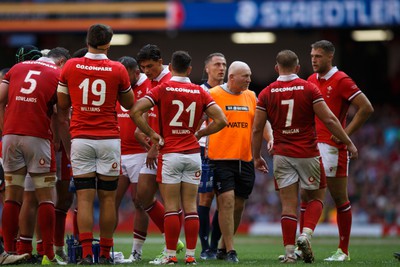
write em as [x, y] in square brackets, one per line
[114, 165]
[42, 161]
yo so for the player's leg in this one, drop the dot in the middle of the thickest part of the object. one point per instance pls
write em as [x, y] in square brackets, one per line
[27, 218]
[63, 202]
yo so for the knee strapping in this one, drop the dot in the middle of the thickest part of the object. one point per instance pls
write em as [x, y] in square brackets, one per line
[85, 183]
[107, 185]
[14, 179]
[44, 181]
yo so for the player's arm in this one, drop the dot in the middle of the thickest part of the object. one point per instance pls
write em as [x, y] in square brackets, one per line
[143, 139]
[364, 111]
[260, 119]
[218, 122]
[63, 110]
[3, 102]
[323, 112]
[141, 106]
[267, 134]
[126, 99]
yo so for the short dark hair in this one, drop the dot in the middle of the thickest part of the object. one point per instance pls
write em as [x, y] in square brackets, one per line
[325, 45]
[59, 52]
[180, 61]
[148, 52]
[210, 56]
[287, 59]
[129, 63]
[99, 35]
[80, 52]
[27, 52]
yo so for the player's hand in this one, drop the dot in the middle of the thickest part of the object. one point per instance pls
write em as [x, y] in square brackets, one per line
[335, 139]
[353, 151]
[151, 160]
[261, 165]
[270, 147]
[143, 140]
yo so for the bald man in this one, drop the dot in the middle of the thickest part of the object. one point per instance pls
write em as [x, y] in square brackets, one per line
[229, 151]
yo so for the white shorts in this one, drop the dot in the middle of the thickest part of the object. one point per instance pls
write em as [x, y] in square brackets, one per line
[336, 161]
[306, 171]
[28, 184]
[99, 156]
[176, 168]
[37, 154]
[131, 165]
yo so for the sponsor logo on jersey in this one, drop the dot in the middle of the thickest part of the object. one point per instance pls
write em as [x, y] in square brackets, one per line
[287, 89]
[96, 68]
[237, 108]
[237, 124]
[183, 90]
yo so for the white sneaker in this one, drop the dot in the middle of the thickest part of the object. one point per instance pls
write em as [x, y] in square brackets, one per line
[158, 259]
[304, 245]
[135, 256]
[297, 252]
[6, 258]
[61, 253]
[339, 255]
[291, 258]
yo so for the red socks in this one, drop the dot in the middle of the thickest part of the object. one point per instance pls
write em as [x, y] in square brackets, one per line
[86, 242]
[172, 228]
[105, 246]
[59, 232]
[312, 214]
[10, 217]
[156, 213]
[192, 225]
[46, 220]
[344, 220]
[289, 227]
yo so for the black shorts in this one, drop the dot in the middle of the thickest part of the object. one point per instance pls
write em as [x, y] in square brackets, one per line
[234, 175]
[2, 182]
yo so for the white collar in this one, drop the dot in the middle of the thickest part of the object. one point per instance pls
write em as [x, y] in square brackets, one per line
[287, 78]
[164, 72]
[96, 56]
[329, 74]
[180, 79]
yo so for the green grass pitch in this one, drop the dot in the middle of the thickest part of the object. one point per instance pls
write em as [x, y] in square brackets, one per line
[263, 251]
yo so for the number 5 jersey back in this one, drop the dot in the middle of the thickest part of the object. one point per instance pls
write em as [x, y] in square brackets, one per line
[94, 83]
[31, 96]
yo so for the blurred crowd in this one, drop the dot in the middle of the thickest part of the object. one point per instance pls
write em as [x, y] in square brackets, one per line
[374, 187]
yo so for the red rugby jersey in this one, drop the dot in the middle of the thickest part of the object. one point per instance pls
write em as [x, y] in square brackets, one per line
[31, 97]
[338, 91]
[181, 105]
[129, 144]
[93, 83]
[289, 105]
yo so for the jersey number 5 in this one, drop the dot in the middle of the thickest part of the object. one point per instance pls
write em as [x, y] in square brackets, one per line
[191, 109]
[31, 80]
